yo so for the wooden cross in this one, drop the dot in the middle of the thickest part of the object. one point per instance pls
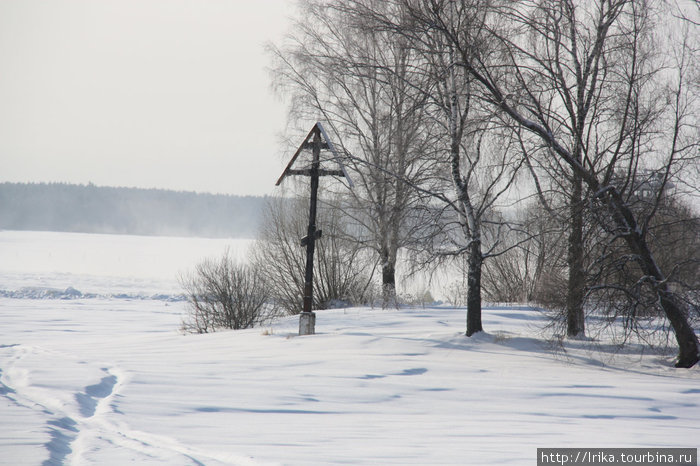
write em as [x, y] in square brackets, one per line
[316, 140]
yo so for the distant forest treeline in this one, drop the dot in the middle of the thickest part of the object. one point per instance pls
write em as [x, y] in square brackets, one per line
[95, 209]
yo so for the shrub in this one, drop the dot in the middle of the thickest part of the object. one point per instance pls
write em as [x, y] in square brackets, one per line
[342, 270]
[223, 294]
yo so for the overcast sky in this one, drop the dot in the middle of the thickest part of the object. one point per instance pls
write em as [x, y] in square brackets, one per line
[167, 94]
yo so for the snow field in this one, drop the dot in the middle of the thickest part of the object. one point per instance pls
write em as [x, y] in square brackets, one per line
[110, 380]
[372, 387]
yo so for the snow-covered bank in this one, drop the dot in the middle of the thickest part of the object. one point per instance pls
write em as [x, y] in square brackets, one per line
[105, 381]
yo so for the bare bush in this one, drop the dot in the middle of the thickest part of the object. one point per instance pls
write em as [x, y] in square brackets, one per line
[532, 267]
[223, 294]
[343, 271]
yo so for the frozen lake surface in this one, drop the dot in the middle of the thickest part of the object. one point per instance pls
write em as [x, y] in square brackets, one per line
[93, 263]
[110, 380]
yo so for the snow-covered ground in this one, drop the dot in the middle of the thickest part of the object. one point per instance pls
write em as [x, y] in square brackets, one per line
[109, 380]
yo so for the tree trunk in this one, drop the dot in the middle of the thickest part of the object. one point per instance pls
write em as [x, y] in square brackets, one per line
[688, 345]
[388, 279]
[474, 289]
[576, 284]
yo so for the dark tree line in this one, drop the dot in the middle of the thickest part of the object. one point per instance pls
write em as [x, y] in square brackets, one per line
[95, 209]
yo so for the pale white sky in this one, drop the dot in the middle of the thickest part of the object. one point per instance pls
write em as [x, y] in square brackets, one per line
[167, 94]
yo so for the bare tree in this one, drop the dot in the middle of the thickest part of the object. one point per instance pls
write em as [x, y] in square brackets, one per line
[358, 80]
[580, 87]
[570, 75]
[474, 170]
[469, 225]
[620, 294]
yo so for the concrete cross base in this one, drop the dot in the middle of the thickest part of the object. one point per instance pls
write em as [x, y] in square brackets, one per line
[307, 323]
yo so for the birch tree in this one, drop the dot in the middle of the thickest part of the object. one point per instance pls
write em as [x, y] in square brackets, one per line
[474, 168]
[359, 81]
[570, 75]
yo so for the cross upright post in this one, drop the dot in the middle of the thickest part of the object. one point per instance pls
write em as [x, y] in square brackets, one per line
[307, 321]
[317, 139]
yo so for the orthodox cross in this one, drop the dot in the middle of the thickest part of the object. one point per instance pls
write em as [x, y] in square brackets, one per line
[317, 140]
